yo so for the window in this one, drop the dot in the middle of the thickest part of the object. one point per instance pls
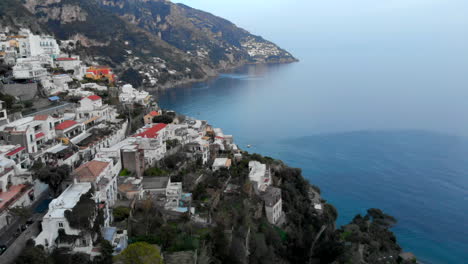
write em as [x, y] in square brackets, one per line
[31, 138]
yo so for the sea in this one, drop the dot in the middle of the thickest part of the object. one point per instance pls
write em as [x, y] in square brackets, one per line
[375, 112]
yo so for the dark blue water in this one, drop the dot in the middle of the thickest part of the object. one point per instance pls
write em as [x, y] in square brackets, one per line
[365, 144]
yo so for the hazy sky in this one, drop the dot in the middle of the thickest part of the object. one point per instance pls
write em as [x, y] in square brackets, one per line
[283, 20]
[368, 64]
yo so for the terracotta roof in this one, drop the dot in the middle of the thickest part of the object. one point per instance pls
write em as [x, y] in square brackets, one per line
[41, 117]
[39, 135]
[13, 152]
[153, 113]
[65, 124]
[91, 170]
[151, 132]
[94, 97]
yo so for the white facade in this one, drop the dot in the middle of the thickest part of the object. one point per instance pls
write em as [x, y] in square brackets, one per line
[34, 45]
[55, 219]
[69, 64]
[3, 113]
[221, 163]
[130, 95]
[30, 132]
[259, 175]
[29, 69]
[56, 83]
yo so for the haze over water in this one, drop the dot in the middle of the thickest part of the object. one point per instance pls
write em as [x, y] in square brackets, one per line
[375, 113]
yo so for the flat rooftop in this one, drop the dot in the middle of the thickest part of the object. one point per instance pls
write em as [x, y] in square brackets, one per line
[67, 200]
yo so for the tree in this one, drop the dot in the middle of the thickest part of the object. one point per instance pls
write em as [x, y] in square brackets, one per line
[21, 212]
[53, 176]
[121, 213]
[166, 119]
[33, 255]
[106, 252]
[132, 77]
[140, 253]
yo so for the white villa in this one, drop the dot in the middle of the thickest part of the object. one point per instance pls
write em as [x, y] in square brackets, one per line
[29, 69]
[221, 163]
[55, 222]
[259, 175]
[130, 95]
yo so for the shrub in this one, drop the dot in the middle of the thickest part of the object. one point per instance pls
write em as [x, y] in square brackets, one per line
[121, 213]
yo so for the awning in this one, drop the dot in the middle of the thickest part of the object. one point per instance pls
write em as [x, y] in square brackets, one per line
[39, 135]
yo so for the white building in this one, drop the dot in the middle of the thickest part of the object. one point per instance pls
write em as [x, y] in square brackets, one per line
[55, 223]
[92, 111]
[30, 132]
[56, 83]
[68, 63]
[34, 45]
[130, 95]
[3, 113]
[259, 175]
[102, 174]
[17, 188]
[29, 69]
[141, 151]
[220, 163]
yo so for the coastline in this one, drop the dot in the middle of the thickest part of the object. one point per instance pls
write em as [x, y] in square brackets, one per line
[207, 77]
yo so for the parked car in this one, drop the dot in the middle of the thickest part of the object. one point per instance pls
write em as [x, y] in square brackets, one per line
[3, 248]
[23, 227]
[30, 221]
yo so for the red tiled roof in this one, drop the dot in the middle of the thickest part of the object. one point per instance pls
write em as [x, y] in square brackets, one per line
[39, 135]
[151, 132]
[153, 113]
[41, 117]
[91, 170]
[65, 59]
[65, 124]
[8, 197]
[13, 152]
[94, 97]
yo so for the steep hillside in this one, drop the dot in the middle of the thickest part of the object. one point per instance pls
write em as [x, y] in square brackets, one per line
[166, 43]
[196, 32]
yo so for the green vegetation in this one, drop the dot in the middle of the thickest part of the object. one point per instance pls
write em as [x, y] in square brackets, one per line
[165, 118]
[53, 176]
[140, 253]
[155, 172]
[132, 77]
[125, 172]
[121, 213]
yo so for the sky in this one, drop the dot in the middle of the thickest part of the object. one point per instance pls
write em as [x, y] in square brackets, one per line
[408, 58]
[285, 20]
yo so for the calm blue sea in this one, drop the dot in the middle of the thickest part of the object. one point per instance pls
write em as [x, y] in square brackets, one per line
[375, 113]
[360, 154]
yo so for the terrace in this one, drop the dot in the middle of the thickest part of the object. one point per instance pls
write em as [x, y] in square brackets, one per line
[9, 197]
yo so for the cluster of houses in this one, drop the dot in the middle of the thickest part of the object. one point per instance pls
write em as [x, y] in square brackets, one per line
[97, 146]
[38, 59]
